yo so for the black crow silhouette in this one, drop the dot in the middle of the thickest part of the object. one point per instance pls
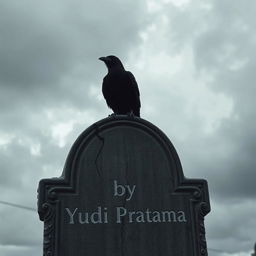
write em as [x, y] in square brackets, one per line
[120, 88]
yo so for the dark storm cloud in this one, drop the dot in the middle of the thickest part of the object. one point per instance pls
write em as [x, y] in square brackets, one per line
[43, 45]
[33, 50]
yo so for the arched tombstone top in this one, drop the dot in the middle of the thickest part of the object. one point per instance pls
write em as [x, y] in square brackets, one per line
[127, 172]
[135, 135]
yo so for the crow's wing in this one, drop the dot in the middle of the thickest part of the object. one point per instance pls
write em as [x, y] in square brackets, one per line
[134, 90]
[133, 83]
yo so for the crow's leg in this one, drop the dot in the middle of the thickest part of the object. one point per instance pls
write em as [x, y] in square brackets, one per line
[130, 114]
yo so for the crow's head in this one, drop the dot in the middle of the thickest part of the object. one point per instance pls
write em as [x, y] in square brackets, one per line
[112, 62]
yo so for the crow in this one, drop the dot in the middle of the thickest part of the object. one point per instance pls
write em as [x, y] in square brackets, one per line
[120, 88]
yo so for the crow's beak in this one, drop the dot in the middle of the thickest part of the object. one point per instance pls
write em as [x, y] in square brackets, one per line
[103, 59]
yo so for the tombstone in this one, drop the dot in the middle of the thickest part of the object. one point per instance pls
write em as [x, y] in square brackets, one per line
[123, 192]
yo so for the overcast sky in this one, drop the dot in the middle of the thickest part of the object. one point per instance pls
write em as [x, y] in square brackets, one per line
[195, 63]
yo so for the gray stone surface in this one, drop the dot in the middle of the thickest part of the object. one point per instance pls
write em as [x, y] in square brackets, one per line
[123, 192]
